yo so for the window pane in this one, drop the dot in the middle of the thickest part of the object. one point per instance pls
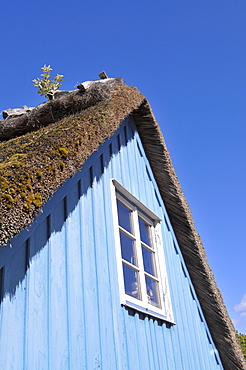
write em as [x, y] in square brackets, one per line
[149, 261]
[152, 292]
[131, 281]
[144, 231]
[124, 216]
[127, 248]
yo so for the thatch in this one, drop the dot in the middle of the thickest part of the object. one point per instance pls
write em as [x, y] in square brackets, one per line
[33, 166]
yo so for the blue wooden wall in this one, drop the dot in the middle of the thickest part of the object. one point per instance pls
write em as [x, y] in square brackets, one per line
[60, 305]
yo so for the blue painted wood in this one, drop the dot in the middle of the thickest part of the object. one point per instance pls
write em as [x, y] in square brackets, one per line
[117, 319]
[102, 269]
[61, 305]
[12, 339]
[76, 320]
[58, 305]
[36, 301]
[89, 276]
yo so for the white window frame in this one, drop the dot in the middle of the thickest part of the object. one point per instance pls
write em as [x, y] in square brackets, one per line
[139, 209]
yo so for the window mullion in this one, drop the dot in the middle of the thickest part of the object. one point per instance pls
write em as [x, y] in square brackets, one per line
[140, 258]
[118, 249]
[150, 248]
[127, 233]
[134, 267]
[152, 276]
[156, 233]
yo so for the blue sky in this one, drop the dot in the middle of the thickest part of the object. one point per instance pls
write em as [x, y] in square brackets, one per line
[189, 59]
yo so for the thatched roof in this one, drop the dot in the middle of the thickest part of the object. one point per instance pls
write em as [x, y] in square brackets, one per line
[34, 165]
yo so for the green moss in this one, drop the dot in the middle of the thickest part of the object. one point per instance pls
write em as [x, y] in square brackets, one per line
[4, 184]
[29, 187]
[30, 197]
[7, 174]
[61, 165]
[7, 197]
[53, 170]
[50, 154]
[22, 187]
[15, 161]
[26, 178]
[26, 206]
[26, 145]
[38, 174]
[37, 200]
[63, 152]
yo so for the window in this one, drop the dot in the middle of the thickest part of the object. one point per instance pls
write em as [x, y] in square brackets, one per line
[140, 258]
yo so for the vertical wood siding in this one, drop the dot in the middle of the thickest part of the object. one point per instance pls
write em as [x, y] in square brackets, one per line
[60, 305]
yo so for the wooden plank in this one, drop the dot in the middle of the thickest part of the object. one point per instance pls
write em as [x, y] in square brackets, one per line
[37, 346]
[13, 309]
[161, 344]
[131, 337]
[174, 292]
[184, 319]
[121, 359]
[58, 305]
[155, 347]
[93, 357]
[144, 353]
[102, 269]
[74, 279]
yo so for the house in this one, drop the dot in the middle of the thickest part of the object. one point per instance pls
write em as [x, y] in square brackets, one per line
[100, 262]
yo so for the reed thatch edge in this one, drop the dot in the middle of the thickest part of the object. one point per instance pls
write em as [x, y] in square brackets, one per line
[220, 325]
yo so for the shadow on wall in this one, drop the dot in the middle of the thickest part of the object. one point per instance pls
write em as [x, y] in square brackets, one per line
[15, 260]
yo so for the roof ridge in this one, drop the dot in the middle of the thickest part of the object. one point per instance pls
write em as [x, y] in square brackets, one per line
[64, 104]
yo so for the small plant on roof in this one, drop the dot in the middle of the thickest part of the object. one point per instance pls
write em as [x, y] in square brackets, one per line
[45, 84]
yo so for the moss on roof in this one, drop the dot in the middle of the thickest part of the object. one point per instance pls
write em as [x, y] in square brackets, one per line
[34, 165]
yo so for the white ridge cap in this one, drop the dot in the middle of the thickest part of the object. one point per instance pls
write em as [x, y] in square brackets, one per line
[87, 84]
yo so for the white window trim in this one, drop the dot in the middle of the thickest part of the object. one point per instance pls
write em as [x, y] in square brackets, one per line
[165, 313]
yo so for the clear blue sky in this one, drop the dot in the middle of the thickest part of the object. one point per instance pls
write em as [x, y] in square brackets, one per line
[189, 59]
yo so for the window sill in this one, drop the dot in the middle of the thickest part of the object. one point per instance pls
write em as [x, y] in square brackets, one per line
[147, 312]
